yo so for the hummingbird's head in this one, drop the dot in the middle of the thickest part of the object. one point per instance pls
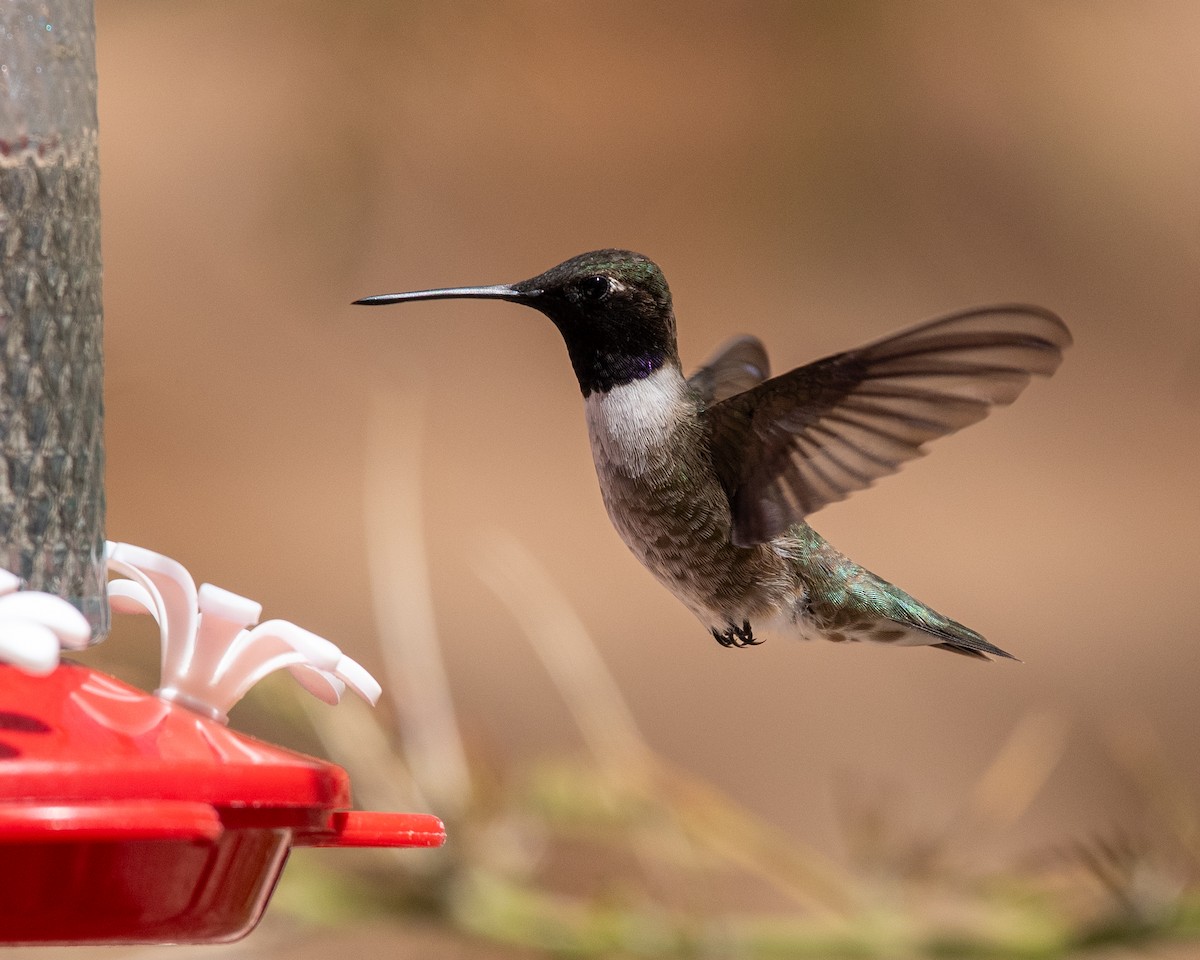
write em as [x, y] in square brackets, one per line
[612, 307]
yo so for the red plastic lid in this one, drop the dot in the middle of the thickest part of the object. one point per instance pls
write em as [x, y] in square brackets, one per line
[84, 755]
[78, 735]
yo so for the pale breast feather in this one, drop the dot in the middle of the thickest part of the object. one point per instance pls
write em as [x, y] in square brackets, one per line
[629, 423]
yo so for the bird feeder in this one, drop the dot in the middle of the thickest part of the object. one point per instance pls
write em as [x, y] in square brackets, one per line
[124, 816]
[133, 817]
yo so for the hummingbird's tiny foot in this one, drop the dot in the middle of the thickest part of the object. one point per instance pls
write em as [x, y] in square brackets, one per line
[724, 639]
[746, 635]
[742, 636]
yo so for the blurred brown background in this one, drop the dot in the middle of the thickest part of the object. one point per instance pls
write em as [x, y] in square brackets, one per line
[817, 173]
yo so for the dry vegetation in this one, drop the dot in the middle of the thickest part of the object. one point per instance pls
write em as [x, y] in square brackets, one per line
[615, 852]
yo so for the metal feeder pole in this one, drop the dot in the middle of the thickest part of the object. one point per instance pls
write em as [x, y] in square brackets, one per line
[51, 357]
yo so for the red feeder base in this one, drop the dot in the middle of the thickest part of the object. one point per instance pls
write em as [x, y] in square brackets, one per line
[125, 819]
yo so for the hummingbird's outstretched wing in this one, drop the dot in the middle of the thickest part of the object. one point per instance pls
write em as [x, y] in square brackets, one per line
[790, 445]
[734, 367]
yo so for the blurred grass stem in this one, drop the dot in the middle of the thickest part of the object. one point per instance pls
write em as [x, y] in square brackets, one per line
[708, 816]
[1019, 770]
[415, 672]
[566, 650]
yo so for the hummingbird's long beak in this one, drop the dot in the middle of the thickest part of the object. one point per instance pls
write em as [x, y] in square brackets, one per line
[501, 291]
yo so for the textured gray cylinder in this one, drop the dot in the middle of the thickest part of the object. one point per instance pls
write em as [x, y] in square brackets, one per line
[51, 381]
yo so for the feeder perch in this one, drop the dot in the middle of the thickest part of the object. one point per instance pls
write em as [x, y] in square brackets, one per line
[128, 817]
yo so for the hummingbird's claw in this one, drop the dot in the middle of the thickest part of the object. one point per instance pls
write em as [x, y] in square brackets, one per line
[742, 636]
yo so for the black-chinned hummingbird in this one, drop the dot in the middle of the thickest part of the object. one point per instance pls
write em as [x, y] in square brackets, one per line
[708, 479]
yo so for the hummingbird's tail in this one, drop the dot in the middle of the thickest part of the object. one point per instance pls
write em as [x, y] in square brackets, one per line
[895, 617]
[906, 621]
[964, 640]
[845, 601]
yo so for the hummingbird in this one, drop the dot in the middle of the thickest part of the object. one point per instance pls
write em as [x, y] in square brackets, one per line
[709, 479]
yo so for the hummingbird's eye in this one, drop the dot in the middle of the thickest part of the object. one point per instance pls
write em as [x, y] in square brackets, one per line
[595, 288]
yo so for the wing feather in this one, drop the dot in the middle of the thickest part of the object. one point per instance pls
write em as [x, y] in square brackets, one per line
[786, 446]
[735, 366]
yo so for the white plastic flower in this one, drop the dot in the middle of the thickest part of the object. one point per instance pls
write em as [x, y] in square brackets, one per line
[34, 626]
[212, 652]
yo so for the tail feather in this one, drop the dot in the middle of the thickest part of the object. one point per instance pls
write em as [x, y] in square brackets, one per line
[978, 648]
[845, 601]
[954, 636]
[967, 652]
[920, 621]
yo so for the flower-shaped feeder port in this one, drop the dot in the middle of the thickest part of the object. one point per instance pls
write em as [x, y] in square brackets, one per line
[129, 817]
